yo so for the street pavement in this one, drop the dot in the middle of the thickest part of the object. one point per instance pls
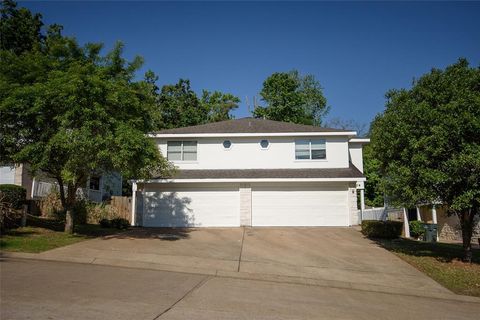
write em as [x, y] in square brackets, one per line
[34, 289]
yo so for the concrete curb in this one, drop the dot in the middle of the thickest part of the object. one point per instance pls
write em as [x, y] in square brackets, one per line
[247, 276]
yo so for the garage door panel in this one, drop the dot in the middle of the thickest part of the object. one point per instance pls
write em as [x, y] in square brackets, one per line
[190, 207]
[299, 206]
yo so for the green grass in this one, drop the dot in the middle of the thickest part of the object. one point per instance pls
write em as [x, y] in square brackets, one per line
[44, 234]
[441, 262]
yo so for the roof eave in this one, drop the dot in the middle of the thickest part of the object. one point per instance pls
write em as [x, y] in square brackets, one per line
[256, 134]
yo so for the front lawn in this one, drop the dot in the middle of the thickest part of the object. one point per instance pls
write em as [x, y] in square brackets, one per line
[43, 234]
[440, 262]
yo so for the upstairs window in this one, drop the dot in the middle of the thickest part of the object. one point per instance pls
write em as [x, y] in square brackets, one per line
[182, 150]
[310, 149]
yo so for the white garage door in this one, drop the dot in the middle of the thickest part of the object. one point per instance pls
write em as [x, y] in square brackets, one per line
[192, 207]
[300, 206]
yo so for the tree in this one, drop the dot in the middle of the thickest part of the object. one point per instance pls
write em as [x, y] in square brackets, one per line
[374, 195]
[218, 105]
[68, 111]
[338, 123]
[293, 98]
[179, 106]
[428, 143]
[20, 30]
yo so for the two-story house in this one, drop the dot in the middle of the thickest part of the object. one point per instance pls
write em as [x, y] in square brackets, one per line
[253, 172]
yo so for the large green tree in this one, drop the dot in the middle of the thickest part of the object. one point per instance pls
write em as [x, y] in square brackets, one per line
[20, 30]
[428, 143]
[68, 111]
[179, 105]
[292, 97]
[218, 105]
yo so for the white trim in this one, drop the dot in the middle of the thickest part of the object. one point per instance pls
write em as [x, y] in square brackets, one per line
[359, 140]
[260, 134]
[252, 180]
[134, 203]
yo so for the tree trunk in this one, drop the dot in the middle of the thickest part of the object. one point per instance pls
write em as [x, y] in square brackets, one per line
[466, 223]
[62, 193]
[69, 221]
[69, 213]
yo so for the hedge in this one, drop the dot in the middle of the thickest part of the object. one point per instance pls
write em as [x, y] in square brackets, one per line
[14, 195]
[382, 229]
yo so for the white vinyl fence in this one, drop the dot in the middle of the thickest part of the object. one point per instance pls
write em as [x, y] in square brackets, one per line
[382, 214]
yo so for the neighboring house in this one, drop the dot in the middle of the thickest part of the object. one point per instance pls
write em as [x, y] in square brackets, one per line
[253, 172]
[448, 226]
[99, 187]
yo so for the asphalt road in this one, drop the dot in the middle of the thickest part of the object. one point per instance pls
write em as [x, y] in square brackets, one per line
[33, 289]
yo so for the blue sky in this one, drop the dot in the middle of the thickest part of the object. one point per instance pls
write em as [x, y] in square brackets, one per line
[357, 51]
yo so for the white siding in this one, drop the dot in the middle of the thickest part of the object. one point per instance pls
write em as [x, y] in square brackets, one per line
[355, 154]
[300, 205]
[246, 153]
[7, 175]
[192, 206]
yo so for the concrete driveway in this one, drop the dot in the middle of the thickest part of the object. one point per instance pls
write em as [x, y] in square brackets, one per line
[339, 257]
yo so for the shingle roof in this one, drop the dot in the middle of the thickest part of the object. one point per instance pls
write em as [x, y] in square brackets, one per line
[351, 172]
[248, 125]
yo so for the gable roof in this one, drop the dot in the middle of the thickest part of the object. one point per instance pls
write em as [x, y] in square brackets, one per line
[248, 125]
[328, 173]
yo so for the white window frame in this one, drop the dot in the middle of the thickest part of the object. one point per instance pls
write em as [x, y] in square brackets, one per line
[182, 158]
[309, 149]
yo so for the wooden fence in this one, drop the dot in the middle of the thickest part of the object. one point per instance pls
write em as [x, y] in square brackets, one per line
[123, 206]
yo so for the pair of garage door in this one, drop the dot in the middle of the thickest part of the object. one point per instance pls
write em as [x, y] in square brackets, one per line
[271, 205]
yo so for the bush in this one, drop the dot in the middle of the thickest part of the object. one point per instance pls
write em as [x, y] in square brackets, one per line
[382, 229]
[98, 212]
[105, 223]
[15, 195]
[51, 206]
[118, 223]
[416, 229]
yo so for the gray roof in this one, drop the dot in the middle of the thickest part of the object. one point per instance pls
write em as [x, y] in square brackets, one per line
[351, 172]
[248, 125]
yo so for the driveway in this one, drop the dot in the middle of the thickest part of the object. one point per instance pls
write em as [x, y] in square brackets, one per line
[341, 257]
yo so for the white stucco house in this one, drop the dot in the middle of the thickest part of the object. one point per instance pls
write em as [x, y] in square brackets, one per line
[253, 172]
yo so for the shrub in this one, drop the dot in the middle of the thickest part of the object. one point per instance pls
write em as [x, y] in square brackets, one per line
[97, 212]
[80, 210]
[14, 195]
[9, 217]
[382, 229]
[51, 206]
[120, 223]
[416, 229]
[105, 223]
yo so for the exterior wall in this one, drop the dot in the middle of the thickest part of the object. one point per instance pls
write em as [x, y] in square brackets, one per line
[17, 175]
[356, 155]
[111, 184]
[7, 175]
[352, 206]
[246, 153]
[245, 204]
